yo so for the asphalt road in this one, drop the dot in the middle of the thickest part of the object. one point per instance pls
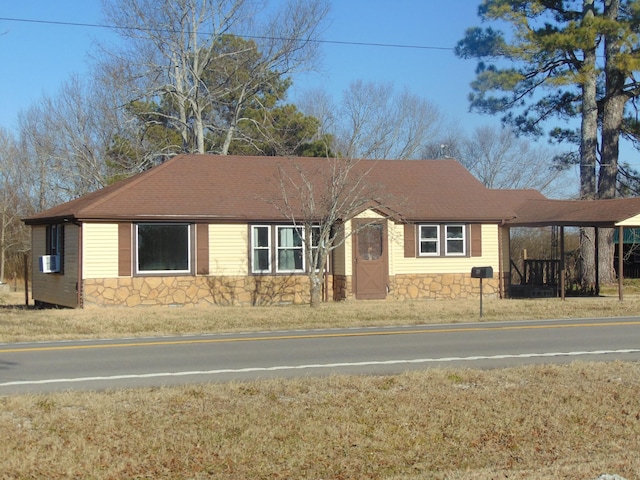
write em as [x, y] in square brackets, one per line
[159, 361]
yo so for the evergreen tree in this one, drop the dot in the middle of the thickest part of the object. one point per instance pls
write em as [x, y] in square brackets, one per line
[547, 67]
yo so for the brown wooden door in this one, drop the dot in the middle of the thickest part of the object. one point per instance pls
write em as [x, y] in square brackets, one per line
[370, 259]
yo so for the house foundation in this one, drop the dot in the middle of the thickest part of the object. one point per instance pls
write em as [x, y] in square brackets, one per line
[267, 290]
[447, 286]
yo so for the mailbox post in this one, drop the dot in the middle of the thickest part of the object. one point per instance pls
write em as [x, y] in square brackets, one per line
[481, 272]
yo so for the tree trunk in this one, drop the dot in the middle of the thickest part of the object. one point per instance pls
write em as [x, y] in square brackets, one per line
[612, 120]
[227, 140]
[588, 153]
[587, 260]
[316, 256]
[315, 289]
[199, 132]
[180, 99]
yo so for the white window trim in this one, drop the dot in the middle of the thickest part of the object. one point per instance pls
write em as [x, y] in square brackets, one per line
[420, 240]
[253, 248]
[164, 272]
[464, 241]
[273, 248]
[278, 248]
[315, 247]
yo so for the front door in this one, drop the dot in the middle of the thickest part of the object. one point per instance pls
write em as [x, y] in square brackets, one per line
[370, 259]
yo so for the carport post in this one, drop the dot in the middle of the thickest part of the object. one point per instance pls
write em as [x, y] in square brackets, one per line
[620, 263]
[562, 265]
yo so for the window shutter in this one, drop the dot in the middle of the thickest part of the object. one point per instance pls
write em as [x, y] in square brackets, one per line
[409, 240]
[125, 241]
[476, 240]
[202, 249]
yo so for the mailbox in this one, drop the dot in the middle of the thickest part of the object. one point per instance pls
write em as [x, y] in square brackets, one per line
[482, 272]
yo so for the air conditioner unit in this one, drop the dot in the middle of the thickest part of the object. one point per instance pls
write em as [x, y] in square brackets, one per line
[49, 263]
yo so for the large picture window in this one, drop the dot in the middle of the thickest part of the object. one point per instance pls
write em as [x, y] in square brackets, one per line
[163, 248]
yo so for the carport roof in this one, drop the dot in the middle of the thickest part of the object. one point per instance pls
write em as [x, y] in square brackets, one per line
[577, 213]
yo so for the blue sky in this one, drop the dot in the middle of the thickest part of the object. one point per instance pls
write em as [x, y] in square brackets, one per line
[38, 57]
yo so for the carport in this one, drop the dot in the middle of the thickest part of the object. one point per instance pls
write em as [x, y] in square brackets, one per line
[615, 213]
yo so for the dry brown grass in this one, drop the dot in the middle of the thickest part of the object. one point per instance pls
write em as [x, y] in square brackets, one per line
[19, 324]
[542, 422]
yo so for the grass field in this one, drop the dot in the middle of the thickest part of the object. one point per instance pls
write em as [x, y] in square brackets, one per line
[573, 421]
[18, 324]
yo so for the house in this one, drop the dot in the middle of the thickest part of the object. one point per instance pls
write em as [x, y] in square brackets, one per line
[205, 229]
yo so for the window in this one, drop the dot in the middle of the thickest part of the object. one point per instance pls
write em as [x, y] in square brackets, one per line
[261, 249]
[455, 242]
[54, 245]
[280, 248]
[315, 242]
[290, 251]
[55, 239]
[442, 240]
[163, 248]
[429, 240]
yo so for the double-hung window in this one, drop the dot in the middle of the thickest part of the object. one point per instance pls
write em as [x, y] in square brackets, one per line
[261, 249]
[290, 246]
[163, 248]
[315, 242]
[429, 240]
[55, 239]
[442, 240]
[55, 247]
[455, 239]
[281, 248]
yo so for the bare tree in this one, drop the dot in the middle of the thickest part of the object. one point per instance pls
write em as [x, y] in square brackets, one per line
[13, 234]
[319, 197]
[319, 104]
[67, 137]
[500, 159]
[171, 47]
[377, 123]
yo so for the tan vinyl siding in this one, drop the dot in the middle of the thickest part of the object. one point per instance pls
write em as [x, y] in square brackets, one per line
[348, 250]
[100, 250]
[399, 264]
[56, 288]
[630, 222]
[338, 266]
[228, 249]
[369, 214]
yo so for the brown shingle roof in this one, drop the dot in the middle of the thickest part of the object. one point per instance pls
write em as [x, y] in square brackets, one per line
[586, 213]
[209, 187]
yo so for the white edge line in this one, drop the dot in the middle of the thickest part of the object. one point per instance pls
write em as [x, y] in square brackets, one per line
[313, 366]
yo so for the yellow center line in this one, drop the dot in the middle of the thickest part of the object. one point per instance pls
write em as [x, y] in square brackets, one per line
[431, 329]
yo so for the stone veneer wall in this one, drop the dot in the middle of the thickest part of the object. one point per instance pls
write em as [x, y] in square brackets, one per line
[447, 286]
[187, 290]
[268, 290]
[342, 287]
